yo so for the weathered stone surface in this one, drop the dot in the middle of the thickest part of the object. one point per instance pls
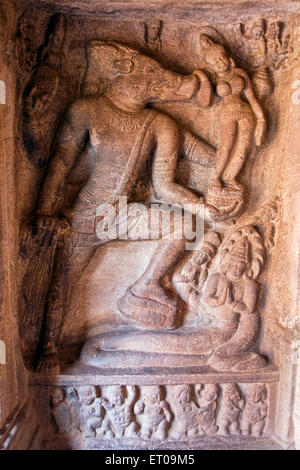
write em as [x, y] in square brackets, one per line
[149, 224]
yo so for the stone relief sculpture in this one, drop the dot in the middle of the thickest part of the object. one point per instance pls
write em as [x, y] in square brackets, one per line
[231, 293]
[234, 292]
[130, 80]
[99, 122]
[155, 414]
[278, 45]
[185, 414]
[25, 41]
[119, 419]
[195, 411]
[241, 122]
[91, 410]
[194, 273]
[255, 410]
[207, 399]
[107, 136]
[41, 94]
[268, 48]
[254, 33]
[153, 34]
[186, 424]
[61, 411]
[232, 406]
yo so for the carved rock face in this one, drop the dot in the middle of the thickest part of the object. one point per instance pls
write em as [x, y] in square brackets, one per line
[163, 339]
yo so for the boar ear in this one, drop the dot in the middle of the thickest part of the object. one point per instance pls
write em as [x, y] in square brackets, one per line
[124, 66]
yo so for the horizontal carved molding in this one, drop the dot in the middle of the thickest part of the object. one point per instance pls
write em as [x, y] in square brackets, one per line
[109, 377]
[165, 8]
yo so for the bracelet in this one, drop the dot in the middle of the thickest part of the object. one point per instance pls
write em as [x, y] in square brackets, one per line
[45, 214]
[201, 75]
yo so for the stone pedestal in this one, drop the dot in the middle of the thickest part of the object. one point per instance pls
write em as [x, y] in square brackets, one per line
[193, 408]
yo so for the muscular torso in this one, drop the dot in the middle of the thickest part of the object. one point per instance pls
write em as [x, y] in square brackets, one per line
[120, 417]
[113, 147]
[120, 144]
[154, 415]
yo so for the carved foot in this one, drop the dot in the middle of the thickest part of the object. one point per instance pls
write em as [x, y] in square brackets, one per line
[48, 363]
[149, 313]
[153, 291]
[242, 362]
[234, 185]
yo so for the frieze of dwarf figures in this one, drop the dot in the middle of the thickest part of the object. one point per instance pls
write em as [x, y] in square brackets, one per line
[159, 413]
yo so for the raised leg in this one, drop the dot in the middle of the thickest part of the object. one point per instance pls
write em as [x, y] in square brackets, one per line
[164, 258]
[147, 301]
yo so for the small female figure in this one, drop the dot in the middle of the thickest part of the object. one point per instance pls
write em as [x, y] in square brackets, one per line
[240, 121]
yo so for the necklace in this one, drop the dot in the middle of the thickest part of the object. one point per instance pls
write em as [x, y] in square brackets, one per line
[125, 120]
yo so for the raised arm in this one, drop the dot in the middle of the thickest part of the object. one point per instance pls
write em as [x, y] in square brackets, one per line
[205, 93]
[165, 164]
[261, 123]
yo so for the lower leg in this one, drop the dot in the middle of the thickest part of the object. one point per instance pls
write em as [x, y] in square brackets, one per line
[149, 284]
[228, 137]
[59, 300]
[242, 149]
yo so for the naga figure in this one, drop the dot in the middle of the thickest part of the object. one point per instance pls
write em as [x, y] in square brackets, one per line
[192, 278]
[234, 293]
[110, 134]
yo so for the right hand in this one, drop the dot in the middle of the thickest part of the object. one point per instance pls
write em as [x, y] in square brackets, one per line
[45, 228]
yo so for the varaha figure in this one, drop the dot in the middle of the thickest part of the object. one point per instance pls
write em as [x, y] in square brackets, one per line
[111, 133]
